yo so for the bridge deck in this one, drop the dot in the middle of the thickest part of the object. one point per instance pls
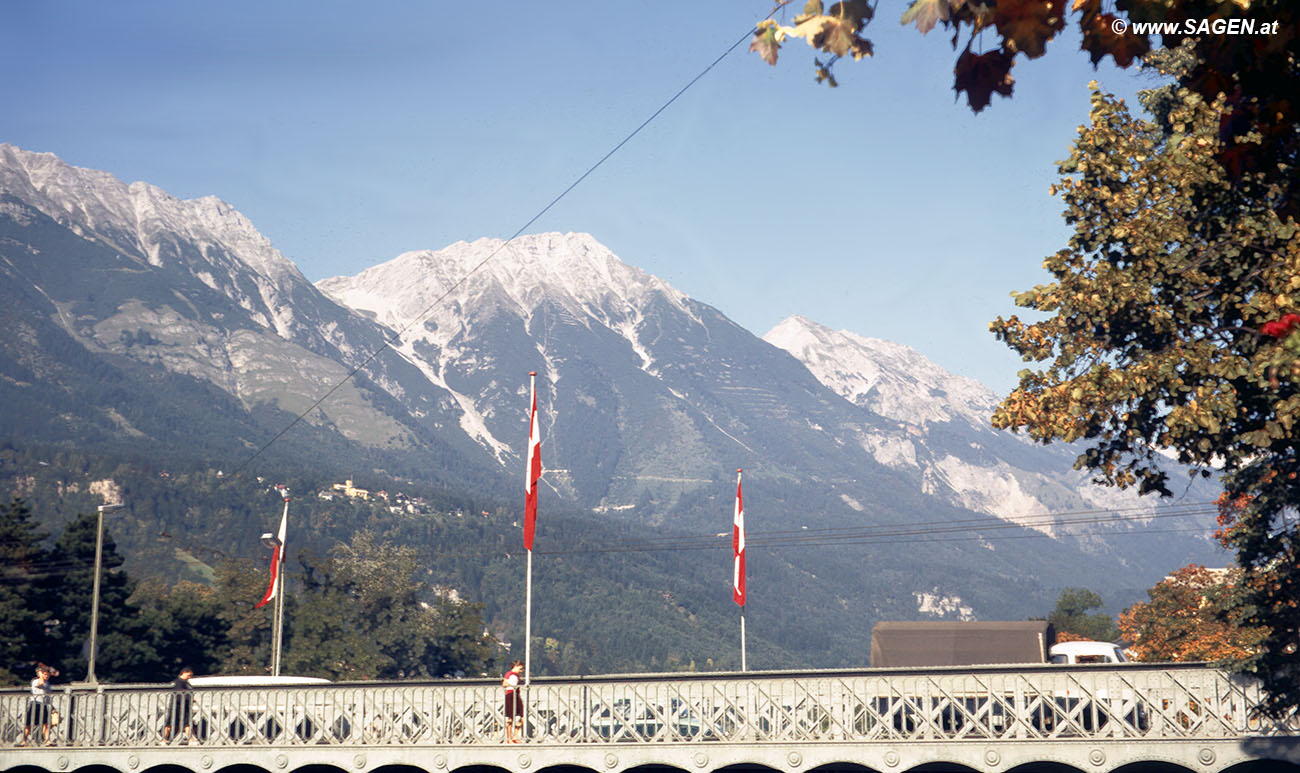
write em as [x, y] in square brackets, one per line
[1091, 718]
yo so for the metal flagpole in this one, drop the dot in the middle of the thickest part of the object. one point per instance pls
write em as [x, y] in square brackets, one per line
[278, 638]
[742, 640]
[528, 638]
[738, 573]
[531, 476]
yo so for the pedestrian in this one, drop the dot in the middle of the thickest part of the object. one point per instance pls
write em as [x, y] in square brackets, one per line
[40, 709]
[179, 706]
[514, 702]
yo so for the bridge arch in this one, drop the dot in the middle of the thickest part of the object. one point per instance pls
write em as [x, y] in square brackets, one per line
[1045, 767]
[942, 767]
[1153, 766]
[565, 769]
[481, 769]
[843, 767]
[240, 768]
[319, 768]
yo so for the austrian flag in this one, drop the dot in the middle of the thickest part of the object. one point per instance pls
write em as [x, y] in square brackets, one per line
[738, 547]
[533, 472]
[274, 588]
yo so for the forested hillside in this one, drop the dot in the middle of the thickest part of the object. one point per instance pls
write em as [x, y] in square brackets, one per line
[192, 566]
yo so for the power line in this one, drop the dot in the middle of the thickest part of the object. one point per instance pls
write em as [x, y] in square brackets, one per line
[396, 337]
[866, 535]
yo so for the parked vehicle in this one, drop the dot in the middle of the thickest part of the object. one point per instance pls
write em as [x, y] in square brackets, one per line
[949, 643]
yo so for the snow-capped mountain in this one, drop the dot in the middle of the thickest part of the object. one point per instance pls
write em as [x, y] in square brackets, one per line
[648, 395]
[535, 281]
[650, 400]
[189, 288]
[892, 380]
[941, 429]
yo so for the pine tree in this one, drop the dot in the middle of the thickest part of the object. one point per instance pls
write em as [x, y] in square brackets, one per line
[22, 612]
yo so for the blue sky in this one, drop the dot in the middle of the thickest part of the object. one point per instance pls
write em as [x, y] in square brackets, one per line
[351, 132]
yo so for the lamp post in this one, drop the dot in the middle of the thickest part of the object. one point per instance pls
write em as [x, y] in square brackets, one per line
[94, 594]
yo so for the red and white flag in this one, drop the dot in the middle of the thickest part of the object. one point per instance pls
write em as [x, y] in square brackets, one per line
[274, 587]
[533, 472]
[738, 547]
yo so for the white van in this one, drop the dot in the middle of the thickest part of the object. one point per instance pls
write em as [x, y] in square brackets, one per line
[1069, 653]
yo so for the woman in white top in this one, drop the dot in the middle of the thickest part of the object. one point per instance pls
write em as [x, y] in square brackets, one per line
[39, 707]
[514, 702]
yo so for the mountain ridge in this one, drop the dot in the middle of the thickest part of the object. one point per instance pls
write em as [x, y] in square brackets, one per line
[649, 399]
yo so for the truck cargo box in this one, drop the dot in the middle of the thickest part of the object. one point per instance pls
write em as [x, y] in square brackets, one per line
[896, 644]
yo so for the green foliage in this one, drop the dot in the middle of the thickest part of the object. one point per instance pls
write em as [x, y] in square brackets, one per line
[186, 625]
[123, 652]
[1194, 614]
[1073, 614]
[22, 565]
[364, 614]
[1156, 336]
[248, 631]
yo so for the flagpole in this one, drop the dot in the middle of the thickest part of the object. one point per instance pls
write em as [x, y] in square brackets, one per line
[528, 637]
[531, 477]
[278, 636]
[738, 573]
[742, 640]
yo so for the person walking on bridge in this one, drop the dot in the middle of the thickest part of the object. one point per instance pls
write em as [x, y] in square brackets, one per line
[179, 707]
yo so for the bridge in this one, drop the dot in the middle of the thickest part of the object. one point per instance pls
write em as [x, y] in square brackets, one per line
[1036, 719]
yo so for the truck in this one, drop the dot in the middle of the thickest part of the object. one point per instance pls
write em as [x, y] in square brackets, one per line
[992, 643]
[898, 644]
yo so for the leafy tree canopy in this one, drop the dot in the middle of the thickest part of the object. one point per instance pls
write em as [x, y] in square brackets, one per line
[1165, 330]
[1194, 614]
[1073, 616]
[1248, 52]
[367, 614]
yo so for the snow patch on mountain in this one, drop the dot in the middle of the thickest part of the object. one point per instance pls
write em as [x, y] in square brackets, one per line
[572, 270]
[98, 206]
[937, 604]
[439, 300]
[993, 489]
[890, 379]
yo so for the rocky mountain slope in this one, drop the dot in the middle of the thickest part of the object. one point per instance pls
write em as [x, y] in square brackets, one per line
[146, 322]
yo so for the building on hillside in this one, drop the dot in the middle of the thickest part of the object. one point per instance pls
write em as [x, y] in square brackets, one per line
[351, 491]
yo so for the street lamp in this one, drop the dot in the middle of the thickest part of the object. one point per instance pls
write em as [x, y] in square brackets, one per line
[94, 594]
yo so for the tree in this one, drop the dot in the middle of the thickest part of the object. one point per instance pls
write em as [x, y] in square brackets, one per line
[240, 584]
[124, 644]
[1073, 615]
[1248, 52]
[186, 625]
[364, 615]
[1194, 614]
[22, 615]
[1169, 328]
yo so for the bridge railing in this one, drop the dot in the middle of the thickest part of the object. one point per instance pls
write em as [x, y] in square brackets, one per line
[1051, 702]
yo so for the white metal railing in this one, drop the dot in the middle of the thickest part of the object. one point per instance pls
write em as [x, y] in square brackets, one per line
[977, 705]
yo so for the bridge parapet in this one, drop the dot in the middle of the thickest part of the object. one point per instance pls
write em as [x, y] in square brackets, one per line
[1089, 708]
